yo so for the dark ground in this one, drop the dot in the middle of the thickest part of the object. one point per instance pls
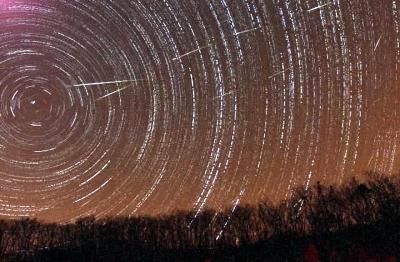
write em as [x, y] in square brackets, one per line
[355, 222]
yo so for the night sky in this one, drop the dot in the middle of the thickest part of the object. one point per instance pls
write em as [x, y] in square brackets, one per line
[135, 107]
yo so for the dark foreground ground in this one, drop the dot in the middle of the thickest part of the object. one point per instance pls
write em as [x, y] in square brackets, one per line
[355, 222]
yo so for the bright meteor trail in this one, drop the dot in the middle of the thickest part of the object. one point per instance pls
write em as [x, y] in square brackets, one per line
[107, 83]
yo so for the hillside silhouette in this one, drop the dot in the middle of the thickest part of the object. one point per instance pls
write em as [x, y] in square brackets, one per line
[358, 221]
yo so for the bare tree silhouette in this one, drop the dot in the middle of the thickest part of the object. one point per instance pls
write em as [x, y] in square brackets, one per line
[353, 221]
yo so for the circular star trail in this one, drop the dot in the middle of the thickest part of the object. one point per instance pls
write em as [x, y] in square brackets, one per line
[146, 107]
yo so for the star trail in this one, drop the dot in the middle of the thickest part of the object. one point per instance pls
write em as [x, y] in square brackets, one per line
[136, 107]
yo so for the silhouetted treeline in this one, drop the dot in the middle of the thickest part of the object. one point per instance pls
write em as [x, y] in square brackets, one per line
[354, 222]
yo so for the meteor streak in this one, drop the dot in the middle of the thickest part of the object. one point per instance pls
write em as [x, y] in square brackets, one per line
[225, 94]
[280, 72]
[318, 7]
[378, 42]
[108, 83]
[247, 31]
[191, 52]
[114, 92]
